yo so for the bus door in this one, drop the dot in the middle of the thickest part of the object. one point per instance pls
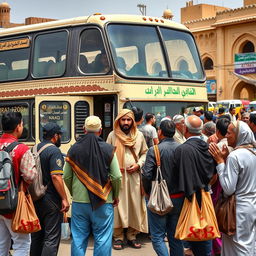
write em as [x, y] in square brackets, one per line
[69, 112]
[105, 108]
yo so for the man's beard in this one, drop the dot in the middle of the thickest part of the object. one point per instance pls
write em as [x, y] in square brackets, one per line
[58, 143]
[125, 128]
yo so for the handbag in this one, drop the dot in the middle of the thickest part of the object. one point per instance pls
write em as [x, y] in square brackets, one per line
[226, 214]
[197, 224]
[159, 199]
[25, 219]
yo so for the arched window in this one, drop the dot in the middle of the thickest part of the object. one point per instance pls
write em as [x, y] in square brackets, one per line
[248, 47]
[208, 64]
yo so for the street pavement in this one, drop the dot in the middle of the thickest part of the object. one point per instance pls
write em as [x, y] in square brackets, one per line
[146, 250]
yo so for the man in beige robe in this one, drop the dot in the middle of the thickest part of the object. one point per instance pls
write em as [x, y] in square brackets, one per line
[131, 150]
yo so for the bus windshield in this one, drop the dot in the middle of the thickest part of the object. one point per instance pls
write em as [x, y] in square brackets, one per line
[139, 51]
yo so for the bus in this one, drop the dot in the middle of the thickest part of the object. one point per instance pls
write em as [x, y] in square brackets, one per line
[65, 70]
[237, 104]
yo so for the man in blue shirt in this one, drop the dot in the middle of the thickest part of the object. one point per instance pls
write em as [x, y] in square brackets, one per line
[51, 206]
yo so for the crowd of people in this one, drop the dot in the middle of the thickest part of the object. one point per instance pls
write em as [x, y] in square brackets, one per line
[110, 182]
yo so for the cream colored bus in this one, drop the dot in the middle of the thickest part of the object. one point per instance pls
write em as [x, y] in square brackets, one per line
[63, 71]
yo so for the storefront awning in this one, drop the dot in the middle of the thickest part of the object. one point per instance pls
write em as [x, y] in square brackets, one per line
[248, 79]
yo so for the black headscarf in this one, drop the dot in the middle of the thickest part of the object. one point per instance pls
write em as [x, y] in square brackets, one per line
[195, 166]
[90, 158]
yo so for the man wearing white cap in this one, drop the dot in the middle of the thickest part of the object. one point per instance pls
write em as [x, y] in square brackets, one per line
[93, 178]
[180, 129]
[197, 111]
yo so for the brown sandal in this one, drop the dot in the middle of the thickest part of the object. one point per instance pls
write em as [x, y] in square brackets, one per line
[134, 244]
[118, 245]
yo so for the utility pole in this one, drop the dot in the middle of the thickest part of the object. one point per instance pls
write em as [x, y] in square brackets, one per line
[142, 8]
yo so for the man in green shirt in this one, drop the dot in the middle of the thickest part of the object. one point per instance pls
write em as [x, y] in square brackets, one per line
[93, 178]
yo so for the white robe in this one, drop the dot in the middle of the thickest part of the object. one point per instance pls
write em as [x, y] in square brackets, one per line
[239, 176]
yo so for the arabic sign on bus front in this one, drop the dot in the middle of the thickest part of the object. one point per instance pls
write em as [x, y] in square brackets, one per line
[170, 90]
[245, 63]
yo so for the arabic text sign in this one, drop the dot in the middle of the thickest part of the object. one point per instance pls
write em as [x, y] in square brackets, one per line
[245, 63]
[171, 90]
[14, 44]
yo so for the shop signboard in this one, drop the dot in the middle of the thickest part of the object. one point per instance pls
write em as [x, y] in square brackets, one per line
[245, 63]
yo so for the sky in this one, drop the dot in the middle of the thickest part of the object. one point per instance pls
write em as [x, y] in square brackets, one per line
[62, 9]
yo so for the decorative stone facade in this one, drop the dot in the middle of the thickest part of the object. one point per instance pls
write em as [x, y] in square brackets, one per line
[220, 34]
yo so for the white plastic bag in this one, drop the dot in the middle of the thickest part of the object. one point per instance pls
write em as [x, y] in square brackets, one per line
[65, 229]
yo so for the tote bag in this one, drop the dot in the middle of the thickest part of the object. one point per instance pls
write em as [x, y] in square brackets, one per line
[159, 200]
[197, 224]
[25, 219]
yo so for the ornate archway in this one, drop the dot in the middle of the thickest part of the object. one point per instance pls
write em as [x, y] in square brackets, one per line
[241, 41]
[243, 90]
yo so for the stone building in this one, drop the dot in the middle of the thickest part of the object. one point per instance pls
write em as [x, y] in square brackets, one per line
[221, 33]
[5, 18]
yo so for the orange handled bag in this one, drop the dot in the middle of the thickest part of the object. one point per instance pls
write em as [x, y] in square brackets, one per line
[195, 224]
[25, 219]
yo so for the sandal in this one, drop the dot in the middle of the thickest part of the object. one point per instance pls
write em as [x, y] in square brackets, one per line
[118, 245]
[134, 244]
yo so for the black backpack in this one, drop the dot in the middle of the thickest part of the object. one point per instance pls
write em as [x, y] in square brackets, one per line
[8, 186]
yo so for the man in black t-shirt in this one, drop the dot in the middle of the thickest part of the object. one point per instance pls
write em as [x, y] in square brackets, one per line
[51, 206]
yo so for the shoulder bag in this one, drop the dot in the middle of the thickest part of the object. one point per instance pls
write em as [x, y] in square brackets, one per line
[159, 200]
[25, 219]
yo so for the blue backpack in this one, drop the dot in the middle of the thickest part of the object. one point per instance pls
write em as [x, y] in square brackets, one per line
[8, 186]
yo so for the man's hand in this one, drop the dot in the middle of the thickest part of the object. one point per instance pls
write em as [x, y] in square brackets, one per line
[65, 205]
[115, 202]
[133, 168]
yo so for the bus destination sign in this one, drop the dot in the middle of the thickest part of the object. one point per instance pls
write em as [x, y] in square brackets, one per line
[14, 44]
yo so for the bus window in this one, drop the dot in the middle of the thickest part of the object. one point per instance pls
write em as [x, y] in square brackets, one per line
[140, 48]
[82, 110]
[50, 54]
[182, 54]
[92, 56]
[126, 57]
[14, 64]
[23, 108]
[57, 112]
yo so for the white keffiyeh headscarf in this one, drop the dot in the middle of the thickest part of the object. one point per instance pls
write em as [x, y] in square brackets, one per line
[244, 135]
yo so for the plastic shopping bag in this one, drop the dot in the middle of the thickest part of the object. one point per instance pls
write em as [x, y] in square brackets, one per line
[65, 229]
[197, 224]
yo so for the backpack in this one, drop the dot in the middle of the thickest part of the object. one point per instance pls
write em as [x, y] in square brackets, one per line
[37, 189]
[8, 186]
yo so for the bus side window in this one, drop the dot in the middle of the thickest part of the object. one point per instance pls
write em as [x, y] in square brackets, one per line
[92, 48]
